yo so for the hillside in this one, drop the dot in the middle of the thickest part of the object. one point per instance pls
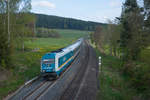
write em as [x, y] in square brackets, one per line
[56, 22]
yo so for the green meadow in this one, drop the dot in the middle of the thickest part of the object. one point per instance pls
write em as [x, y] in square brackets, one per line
[66, 37]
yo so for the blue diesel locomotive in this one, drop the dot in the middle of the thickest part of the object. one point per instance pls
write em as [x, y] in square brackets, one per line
[54, 63]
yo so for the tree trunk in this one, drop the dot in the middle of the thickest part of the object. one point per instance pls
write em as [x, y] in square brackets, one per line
[23, 46]
[114, 51]
[111, 51]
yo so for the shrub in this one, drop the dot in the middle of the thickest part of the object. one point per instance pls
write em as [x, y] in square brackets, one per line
[3, 63]
[138, 75]
[46, 33]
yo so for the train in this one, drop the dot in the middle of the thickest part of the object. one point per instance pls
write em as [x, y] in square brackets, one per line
[55, 62]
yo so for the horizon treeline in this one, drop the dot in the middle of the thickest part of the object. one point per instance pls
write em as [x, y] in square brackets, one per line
[55, 22]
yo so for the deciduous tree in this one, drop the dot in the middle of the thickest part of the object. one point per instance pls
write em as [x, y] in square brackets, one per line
[15, 9]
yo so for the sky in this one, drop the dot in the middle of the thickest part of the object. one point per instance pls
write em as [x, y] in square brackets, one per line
[88, 10]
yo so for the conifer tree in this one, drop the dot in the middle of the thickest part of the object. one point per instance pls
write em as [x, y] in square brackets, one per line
[147, 13]
[131, 34]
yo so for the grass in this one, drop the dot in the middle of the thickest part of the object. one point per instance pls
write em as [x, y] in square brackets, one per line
[72, 33]
[113, 85]
[27, 64]
[67, 37]
[145, 54]
[48, 43]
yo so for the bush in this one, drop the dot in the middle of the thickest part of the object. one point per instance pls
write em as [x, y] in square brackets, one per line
[145, 54]
[46, 33]
[138, 75]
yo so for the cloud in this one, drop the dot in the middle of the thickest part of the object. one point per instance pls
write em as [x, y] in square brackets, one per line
[43, 3]
[115, 3]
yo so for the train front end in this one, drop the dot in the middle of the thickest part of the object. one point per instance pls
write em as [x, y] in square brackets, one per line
[48, 65]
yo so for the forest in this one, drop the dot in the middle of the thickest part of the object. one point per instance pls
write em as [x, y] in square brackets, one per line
[55, 22]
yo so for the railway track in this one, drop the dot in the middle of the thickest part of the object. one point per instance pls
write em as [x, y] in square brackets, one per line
[24, 98]
[74, 86]
[37, 92]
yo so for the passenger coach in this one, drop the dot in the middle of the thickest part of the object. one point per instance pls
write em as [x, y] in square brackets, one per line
[54, 63]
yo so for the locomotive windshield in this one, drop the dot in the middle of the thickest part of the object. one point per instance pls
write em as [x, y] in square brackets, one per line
[48, 61]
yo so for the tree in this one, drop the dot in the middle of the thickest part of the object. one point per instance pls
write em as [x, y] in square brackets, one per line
[16, 8]
[147, 21]
[98, 38]
[147, 12]
[25, 25]
[131, 34]
[113, 36]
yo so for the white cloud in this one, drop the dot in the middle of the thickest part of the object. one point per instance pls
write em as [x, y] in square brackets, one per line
[115, 3]
[43, 3]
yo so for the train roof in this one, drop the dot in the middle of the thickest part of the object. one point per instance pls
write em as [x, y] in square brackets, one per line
[72, 46]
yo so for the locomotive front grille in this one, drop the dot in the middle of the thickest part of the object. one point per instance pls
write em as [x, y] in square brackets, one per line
[48, 64]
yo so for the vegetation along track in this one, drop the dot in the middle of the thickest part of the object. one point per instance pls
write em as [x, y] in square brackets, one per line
[74, 86]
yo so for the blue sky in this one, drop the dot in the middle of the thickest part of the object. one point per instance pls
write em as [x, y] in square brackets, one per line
[89, 10]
